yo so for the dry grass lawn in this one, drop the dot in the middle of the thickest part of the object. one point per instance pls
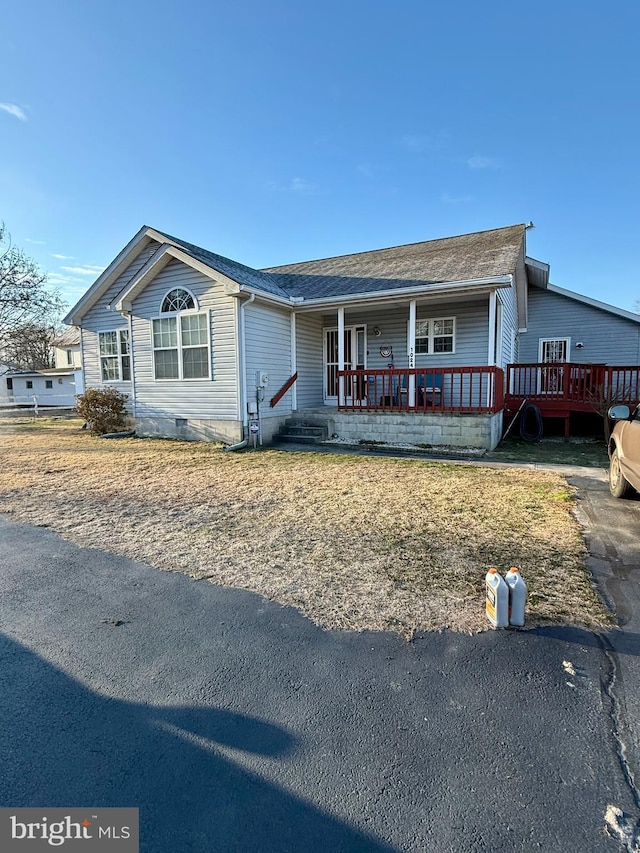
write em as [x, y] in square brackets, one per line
[353, 542]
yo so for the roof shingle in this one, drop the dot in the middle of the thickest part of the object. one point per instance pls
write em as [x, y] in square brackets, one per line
[482, 254]
[260, 280]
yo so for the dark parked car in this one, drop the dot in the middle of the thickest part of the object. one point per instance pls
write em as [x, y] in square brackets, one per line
[624, 451]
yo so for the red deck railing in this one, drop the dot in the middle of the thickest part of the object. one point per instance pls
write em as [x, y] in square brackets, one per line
[577, 385]
[436, 389]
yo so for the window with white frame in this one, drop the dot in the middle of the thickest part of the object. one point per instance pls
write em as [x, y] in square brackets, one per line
[436, 336]
[181, 342]
[115, 356]
[177, 299]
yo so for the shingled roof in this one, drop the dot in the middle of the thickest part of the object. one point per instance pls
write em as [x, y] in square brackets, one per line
[260, 280]
[482, 254]
[69, 338]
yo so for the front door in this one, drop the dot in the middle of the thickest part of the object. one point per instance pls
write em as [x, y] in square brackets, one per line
[355, 356]
[554, 352]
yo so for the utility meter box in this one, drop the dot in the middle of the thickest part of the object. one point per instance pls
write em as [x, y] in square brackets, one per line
[252, 407]
[262, 379]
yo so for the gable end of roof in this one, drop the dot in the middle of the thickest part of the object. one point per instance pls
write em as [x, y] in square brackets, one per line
[594, 303]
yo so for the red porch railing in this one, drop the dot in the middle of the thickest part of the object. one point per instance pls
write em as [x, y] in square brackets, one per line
[288, 384]
[578, 386]
[437, 389]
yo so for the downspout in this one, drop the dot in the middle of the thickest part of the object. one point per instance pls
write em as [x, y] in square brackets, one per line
[132, 367]
[243, 378]
[84, 373]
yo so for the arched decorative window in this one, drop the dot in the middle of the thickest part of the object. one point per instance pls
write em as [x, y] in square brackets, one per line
[181, 341]
[177, 299]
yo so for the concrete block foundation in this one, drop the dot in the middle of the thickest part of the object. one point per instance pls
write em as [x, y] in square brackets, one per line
[194, 429]
[439, 429]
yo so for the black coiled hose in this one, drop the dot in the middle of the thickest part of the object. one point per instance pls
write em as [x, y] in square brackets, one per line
[531, 412]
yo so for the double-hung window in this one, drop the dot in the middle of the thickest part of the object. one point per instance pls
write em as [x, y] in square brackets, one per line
[436, 336]
[181, 341]
[115, 356]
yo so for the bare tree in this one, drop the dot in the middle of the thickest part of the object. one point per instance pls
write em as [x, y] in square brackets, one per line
[30, 347]
[604, 395]
[25, 301]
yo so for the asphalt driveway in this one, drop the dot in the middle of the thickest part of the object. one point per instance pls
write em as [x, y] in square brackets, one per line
[234, 724]
[612, 531]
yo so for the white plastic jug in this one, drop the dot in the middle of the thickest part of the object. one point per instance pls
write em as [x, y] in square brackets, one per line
[497, 599]
[517, 596]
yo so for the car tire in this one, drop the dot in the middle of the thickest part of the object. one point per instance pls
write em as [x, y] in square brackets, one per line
[618, 485]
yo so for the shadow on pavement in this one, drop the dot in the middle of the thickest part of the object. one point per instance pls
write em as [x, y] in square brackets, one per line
[623, 642]
[63, 745]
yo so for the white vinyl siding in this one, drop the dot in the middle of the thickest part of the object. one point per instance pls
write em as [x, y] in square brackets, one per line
[268, 350]
[100, 317]
[309, 360]
[508, 352]
[214, 397]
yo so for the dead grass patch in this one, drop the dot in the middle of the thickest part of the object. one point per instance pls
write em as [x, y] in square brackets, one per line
[353, 542]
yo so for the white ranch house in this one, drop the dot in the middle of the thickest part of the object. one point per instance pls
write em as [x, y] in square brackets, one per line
[410, 343]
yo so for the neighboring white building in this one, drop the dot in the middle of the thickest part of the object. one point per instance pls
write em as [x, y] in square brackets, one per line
[50, 387]
[66, 350]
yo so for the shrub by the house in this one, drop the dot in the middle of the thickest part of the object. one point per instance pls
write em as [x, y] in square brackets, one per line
[103, 409]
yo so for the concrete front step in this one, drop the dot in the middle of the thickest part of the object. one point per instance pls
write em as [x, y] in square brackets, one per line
[302, 432]
[288, 438]
[296, 429]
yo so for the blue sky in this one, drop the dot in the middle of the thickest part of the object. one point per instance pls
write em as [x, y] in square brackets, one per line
[284, 131]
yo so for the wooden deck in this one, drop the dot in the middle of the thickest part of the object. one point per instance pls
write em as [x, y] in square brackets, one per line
[562, 389]
[559, 390]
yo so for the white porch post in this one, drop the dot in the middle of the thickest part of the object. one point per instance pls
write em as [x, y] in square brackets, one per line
[411, 351]
[491, 355]
[294, 365]
[341, 354]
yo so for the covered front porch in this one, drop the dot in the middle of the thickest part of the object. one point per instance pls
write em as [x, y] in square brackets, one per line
[420, 370]
[429, 354]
